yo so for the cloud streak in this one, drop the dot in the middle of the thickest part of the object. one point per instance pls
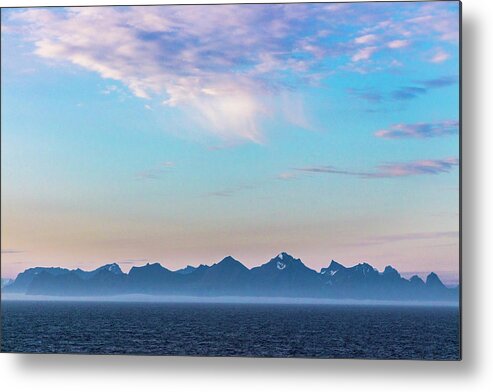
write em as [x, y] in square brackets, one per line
[366, 39]
[133, 261]
[11, 251]
[287, 176]
[156, 172]
[443, 81]
[440, 56]
[403, 93]
[391, 170]
[422, 87]
[398, 43]
[419, 130]
[364, 54]
[379, 240]
[229, 192]
[417, 236]
[366, 94]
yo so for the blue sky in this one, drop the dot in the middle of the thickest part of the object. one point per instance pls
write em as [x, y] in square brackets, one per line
[184, 134]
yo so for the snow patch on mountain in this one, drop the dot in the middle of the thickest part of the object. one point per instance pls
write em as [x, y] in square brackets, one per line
[115, 268]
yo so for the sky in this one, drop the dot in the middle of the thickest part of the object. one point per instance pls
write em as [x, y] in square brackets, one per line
[183, 134]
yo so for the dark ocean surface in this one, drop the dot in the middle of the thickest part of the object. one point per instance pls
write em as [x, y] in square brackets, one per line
[253, 330]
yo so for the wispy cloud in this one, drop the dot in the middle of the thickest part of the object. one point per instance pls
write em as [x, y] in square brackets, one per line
[398, 43]
[404, 93]
[9, 251]
[366, 39]
[287, 176]
[418, 236]
[221, 68]
[228, 192]
[430, 20]
[367, 94]
[156, 172]
[378, 240]
[133, 261]
[439, 56]
[408, 92]
[435, 20]
[225, 66]
[419, 130]
[364, 53]
[107, 90]
[391, 170]
[422, 87]
[443, 81]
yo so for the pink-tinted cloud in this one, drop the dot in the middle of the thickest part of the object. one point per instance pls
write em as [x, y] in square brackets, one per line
[225, 65]
[429, 166]
[186, 59]
[392, 170]
[419, 130]
[364, 54]
[366, 39]
[433, 19]
[439, 56]
[398, 43]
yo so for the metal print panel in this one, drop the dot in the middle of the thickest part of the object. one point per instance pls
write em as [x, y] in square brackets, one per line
[266, 180]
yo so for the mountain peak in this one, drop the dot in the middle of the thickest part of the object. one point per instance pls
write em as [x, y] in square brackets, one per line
[229, 259]
[149, 267]
[416, 280]
[391, 272]
[365, 268]
[283, 259]
[333, 267]
[186, 270]
[284, 256]
[335, 264]
[113, 268]
[433, 280]
[229, 262]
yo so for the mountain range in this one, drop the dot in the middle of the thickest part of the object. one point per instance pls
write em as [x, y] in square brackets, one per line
[282, 276]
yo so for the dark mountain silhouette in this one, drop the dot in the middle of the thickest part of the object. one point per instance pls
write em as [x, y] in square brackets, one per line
[285, 276]
[24, 279]
[111, 268]
[187, 270]
[106, 280]
[417, 282]
[153, 279]
[360, 281]
[6, 282]
[228, 277]
[282, 276]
